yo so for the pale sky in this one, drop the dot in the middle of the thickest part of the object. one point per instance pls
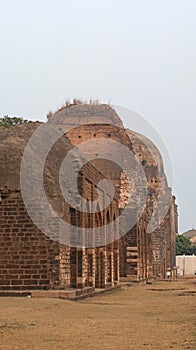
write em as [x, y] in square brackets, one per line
[137, 54]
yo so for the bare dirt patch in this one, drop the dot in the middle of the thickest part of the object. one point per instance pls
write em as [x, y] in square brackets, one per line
[135, 318]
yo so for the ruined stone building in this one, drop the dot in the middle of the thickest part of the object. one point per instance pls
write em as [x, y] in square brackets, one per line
[31, 258]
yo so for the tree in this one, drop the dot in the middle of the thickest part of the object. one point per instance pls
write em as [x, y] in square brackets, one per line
[9, 121]
[184, 246]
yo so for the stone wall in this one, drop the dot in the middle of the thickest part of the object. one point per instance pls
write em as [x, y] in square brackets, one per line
[186, 265]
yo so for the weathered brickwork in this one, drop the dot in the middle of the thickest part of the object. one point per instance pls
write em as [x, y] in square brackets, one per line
[30, 260]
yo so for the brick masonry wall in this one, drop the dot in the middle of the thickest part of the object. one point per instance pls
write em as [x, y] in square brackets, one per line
[31, 260]
[28, 259]
[142, 255]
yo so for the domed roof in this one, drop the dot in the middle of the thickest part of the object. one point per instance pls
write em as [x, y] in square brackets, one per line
[190, 233]
[73, 116]
[13, 141]
[145, 151]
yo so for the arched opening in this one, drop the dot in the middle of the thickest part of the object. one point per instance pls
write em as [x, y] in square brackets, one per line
[99, 251]
[115, 252]
[76, 254]
[109, 250]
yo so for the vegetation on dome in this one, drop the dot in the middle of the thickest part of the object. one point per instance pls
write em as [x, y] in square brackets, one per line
[76, 102]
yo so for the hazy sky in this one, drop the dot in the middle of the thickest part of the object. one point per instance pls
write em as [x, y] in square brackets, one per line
[138, 54]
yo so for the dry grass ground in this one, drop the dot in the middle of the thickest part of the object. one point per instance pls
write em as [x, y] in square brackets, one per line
[159, 317]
